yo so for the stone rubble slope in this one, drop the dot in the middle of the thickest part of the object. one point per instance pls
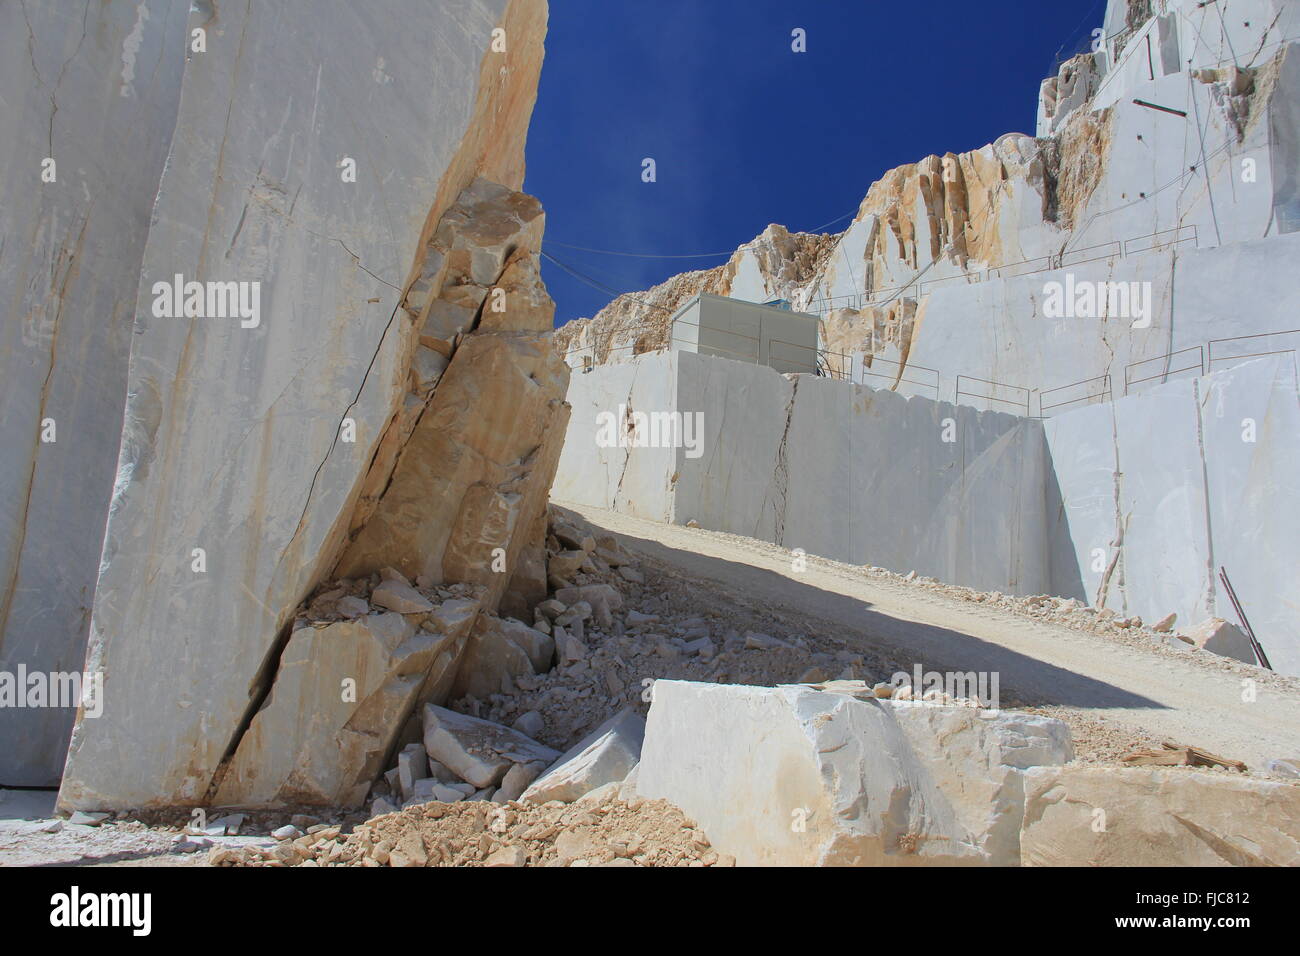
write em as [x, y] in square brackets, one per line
[1058, 667]
[596, 831]
[578, 677]
[1219, 639]
[961, 770]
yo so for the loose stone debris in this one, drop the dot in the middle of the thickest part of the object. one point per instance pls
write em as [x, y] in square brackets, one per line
[598, 830]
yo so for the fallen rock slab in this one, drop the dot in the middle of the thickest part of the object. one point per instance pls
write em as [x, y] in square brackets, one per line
[796, 776]
[341, 696]
[1220, 637]
[1154, 816]
[478, 751]
[606, 755]
[401, 597]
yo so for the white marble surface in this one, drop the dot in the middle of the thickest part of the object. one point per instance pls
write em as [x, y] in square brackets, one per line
[230, 442]
[98, 95]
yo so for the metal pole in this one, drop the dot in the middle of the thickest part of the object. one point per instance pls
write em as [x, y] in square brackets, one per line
[1236, 605]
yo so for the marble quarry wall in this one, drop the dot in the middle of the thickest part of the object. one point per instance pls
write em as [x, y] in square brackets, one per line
[374, 205]
[610, 473]
[1154, 493]
[843, 471]
[1196, 296]
[1131, 505]
[85, 123]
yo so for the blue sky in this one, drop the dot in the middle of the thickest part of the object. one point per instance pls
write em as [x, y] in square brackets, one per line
[744, 131]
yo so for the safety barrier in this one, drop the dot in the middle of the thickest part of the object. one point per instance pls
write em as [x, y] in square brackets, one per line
[1250, 341]
[855, 300]
[1163, 239]
[1101, 393]
[900, 374]
[961, 278]
[1169, 358]
[1077, 257]
[969, 380]
[1022, 268]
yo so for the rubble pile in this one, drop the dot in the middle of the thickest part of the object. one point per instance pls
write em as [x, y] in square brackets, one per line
[607, 630]
[618, 626]
[597, 831]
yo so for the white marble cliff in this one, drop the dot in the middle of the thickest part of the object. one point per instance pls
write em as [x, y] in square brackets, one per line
[256, 447]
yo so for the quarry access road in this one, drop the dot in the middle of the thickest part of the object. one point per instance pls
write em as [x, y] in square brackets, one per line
[1187, 697]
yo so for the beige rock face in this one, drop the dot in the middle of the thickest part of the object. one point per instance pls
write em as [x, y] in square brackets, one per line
[466, 490]
[960, 210]
[467, 256]
[527, 587]
[498, 651]
[869, 330]
[1138, 816]
[341, 695]
[475, 474]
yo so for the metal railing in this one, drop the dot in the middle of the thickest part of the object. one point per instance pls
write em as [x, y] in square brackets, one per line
[1098, 390]
[856, 300]
[1077, 257]
[1012, 269]
[970, 380]
[1169, 358]
[1250, 341]
[900, 374]
[961, 278]
[1163, 239]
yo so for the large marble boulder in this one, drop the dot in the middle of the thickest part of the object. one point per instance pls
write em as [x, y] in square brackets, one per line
[342, 694]
[606, 755]
[247, 448]
[792, 776]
